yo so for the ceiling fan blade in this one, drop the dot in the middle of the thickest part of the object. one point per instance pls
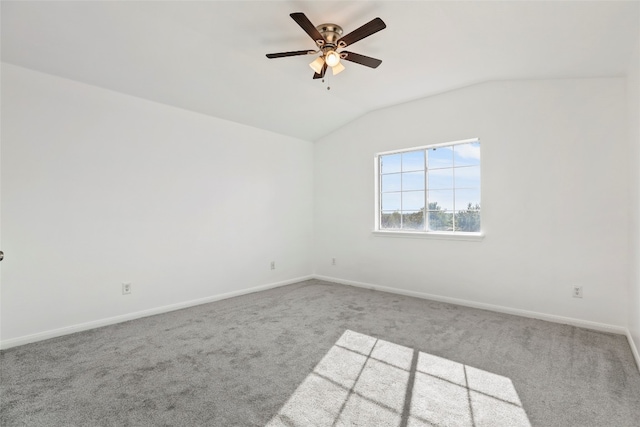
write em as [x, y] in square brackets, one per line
[321, 75]
[293, 53]
[358, 34]
[360, 59]
[308, 27]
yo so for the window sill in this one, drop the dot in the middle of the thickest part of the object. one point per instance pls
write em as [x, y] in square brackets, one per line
[471, 237]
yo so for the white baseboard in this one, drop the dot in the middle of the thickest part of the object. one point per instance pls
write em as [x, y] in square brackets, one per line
[634, 349]
[172, 307]
[14, 342]
[587, 324]
[603, 327]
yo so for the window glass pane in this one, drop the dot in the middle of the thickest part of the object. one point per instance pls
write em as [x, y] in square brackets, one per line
[390, 201]
[466, 154]
[413, 161]
[390, 220]
[440, 221]
[467, 177]
[441, 157]
[431, 189]
[468, 199]
[440, 178]
[468, 221]
[413, 220]
[413, 181]
[412, 200]
[390, 182]
[441, 200]
[390, 163]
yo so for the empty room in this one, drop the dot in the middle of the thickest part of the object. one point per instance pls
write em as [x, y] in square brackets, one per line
[320, 213]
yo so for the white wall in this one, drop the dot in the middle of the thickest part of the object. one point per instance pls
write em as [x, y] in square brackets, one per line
[633, 89]
[99, 188]
[554, 197]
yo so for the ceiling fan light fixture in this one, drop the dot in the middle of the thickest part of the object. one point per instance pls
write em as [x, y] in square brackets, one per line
[332, 58]
[328, 39]
[338, 68]
[317, 65]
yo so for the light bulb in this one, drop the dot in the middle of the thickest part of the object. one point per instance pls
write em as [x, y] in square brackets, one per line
[317, 65]
[332, 58]
[338, 68]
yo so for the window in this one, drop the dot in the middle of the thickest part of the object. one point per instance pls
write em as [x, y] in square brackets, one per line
[430, 189]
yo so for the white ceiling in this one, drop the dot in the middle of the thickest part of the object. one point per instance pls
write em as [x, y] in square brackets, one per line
[209, 56]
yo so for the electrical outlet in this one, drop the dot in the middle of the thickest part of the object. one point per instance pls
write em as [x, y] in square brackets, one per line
[333, 261]
[273, 265]
[126, 288]
[577, 291]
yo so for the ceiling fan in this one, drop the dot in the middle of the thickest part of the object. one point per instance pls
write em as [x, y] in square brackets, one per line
[329, 39]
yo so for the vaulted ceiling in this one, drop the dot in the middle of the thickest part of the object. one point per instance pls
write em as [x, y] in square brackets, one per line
[209, 56]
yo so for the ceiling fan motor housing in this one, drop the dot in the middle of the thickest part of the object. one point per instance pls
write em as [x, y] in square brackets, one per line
[331, 34]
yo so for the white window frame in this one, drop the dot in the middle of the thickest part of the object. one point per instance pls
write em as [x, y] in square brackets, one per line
[447, 235]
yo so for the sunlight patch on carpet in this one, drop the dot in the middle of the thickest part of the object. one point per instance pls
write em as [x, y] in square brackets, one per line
[365, 381]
